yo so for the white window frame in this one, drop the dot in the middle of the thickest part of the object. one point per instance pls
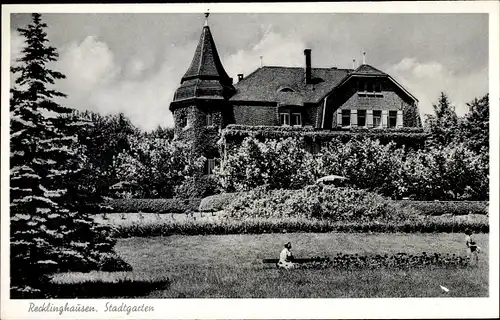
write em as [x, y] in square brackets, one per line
[380, 123]
[285, 115]
[209, 120]
[210, 165]
[300, 118]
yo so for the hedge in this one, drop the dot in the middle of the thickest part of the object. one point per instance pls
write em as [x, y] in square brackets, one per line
[216, 202]
[293, 225]
[437, 208]
[153, 205]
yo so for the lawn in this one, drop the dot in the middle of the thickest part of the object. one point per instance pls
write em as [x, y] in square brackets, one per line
[230, 266]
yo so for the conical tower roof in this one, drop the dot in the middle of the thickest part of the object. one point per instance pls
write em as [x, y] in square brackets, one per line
[205, 77]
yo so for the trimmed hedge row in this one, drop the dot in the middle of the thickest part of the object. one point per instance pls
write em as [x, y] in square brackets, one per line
[437, 208]
[153, 205]
[293, 225]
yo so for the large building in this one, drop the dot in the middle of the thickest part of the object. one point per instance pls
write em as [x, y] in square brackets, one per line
[304, 99]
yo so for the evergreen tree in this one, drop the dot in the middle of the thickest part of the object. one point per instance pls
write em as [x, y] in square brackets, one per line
[443, 126]
[475, 127]
[48, 233]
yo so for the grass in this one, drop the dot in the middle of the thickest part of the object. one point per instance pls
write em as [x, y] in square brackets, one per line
[230, 266]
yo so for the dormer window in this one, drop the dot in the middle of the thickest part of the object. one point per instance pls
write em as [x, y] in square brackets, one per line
[286, 89]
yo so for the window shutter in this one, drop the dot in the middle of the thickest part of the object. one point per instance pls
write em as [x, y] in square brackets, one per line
[339, 117]
[369, 118]
[354, 118]
[385, 116]
[399, 119]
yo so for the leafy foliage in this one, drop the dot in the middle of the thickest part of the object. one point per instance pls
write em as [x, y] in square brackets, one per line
[331, 203]
[49, 233]
[156, 165]
[216, 202]
[153, 205]
[456, 208]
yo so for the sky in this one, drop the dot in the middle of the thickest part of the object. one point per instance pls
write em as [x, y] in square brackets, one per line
[133, 63]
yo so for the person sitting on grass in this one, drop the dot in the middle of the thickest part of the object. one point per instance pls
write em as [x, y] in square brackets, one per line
[473, 248]
[286, 257]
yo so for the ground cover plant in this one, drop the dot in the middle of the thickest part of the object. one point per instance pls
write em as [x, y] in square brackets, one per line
[230, 266]
[436, 208]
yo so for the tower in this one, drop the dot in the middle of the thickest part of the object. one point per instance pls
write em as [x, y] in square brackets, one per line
[200, 106]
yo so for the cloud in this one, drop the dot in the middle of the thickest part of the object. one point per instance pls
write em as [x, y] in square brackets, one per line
[426, 80]
[275, 49]
[16, 46]
[96, 82]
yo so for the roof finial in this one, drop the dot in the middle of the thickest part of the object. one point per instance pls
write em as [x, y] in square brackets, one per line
[261, 61]
[206, 17]
[364, 57]
[353, 64]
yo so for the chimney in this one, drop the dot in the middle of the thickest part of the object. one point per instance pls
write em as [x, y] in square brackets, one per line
[240, 76]
[364, 57]
[307, 53]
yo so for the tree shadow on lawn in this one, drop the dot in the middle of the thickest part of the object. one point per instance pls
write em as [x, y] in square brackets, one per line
[104, 285]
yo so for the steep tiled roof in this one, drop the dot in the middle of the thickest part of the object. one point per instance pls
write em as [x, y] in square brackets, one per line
[205, 77]
[206, 62]
[264, 84]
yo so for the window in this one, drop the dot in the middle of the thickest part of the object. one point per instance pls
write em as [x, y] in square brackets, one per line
[284, 119]
[378, 87]
[361, 118]
[210, 119]
[182, 121]
[286, 89]
[393, 115]
[296, 119]
[346, 118]
[210, 166]
[369, 87]
[377, 118]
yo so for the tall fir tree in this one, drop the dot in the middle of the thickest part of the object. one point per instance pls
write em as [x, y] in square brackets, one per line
[443, 126]
[476, 125]
[48, 231]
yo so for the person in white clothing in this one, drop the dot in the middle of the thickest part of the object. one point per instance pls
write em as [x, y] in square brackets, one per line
[286, 257]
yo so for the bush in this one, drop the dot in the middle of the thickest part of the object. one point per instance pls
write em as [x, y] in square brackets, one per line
[153, 205]
[458, 208]
[278, 225]
[328, 202]
[216, 202]
[197, 187]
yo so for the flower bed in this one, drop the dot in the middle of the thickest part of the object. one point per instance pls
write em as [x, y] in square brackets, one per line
[397, 261]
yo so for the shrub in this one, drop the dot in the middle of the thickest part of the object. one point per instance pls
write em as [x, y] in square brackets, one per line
[302, 224]
[153, 205]
[328, 202]
[458, 208]
[197, 187]
[216, 202]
